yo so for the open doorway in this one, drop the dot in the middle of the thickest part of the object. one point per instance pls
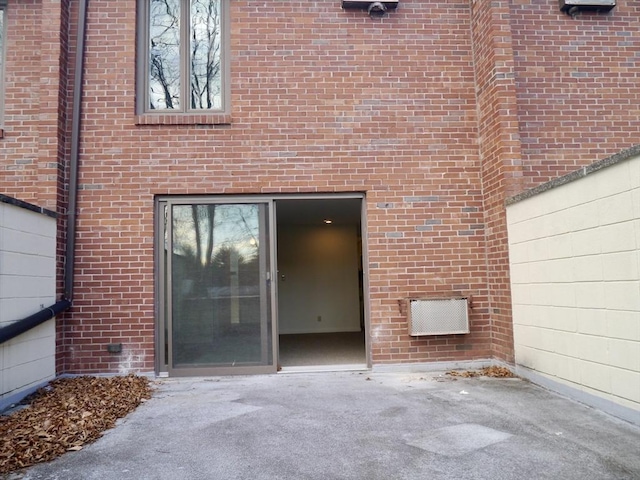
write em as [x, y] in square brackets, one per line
[321, 319]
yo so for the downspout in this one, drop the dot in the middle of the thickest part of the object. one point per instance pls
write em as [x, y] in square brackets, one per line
[75, 153]
[25, 324]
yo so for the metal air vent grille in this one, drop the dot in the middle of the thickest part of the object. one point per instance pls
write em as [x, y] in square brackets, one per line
[438, 316]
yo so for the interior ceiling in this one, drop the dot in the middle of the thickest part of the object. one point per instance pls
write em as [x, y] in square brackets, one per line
[300, 211]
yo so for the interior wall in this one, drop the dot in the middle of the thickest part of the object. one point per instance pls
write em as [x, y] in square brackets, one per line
[318, 288]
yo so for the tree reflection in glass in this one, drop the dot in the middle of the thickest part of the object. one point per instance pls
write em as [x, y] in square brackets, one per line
[205, 54]
[197, 57]
[216, 307]
[164, 54]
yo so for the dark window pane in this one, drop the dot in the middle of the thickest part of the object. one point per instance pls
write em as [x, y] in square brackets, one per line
[164, 54]
[206, 83]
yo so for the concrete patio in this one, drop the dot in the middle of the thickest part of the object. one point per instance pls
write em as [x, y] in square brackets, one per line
[356, 425]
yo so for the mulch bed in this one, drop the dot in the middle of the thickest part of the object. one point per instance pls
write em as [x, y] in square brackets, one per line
[66, 415]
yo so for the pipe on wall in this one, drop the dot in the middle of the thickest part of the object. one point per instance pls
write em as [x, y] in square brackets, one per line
[74, 159]
[21, 326]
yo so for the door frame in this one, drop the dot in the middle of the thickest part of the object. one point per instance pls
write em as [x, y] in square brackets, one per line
[162, 367]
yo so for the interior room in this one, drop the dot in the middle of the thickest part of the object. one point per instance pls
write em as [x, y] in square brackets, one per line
[320, 282]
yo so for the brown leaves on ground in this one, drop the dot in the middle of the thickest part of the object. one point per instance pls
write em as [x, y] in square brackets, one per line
[494, 371]
[66, 415]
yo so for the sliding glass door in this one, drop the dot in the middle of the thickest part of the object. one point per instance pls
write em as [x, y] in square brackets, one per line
[215, 288]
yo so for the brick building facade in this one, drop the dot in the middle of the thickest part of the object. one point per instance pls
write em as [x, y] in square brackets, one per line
[428, 118]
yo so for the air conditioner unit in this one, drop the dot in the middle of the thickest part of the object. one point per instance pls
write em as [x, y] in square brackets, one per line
[438, 316]
[572, 6]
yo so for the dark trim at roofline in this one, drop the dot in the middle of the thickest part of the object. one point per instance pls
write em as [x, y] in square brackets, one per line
[27, 206]
[21, 326]
[570, 177]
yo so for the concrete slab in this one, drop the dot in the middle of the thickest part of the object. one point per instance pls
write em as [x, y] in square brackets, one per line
[356, 425]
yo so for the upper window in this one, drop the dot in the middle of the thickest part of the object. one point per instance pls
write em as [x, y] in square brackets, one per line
[182, 66]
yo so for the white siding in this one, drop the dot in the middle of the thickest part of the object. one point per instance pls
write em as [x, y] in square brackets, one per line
[27, 283]
[575, 274]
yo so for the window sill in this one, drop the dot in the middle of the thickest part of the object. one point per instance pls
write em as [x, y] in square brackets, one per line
[183, 119]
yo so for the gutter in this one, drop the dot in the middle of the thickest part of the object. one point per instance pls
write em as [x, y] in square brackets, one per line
[23, 325]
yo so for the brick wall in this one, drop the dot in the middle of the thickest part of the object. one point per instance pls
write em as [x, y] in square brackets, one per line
[437, 111]
[499, 154]
[31, 140]
[578, 87]
[21, 101]
[323, 100]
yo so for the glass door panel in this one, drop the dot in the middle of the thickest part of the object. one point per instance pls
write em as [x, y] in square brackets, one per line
[218, 305]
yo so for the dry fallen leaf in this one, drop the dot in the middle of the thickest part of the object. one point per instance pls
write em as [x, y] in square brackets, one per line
[493, 371]
[465, 373]
[499, 372]
[65, 415]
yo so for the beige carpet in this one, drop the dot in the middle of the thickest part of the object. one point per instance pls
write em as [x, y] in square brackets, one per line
[342, 348]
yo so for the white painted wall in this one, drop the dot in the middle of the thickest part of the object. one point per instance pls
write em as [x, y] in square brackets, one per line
[575, 278]
[320, 268]
[27, 283]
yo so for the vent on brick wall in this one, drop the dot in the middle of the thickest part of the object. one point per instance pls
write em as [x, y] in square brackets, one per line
[366, 4]
[438, 316]
[573, 7]
[374, 9]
